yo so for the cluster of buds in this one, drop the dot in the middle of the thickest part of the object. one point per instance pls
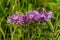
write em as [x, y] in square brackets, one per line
[31, 16]
[16, 18]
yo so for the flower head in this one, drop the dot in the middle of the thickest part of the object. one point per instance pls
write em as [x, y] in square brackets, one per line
[45, 16]
[16, 18]
[49, 14]
[33, 15]
[21, 20]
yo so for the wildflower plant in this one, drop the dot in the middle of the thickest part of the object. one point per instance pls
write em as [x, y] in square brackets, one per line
[29, 20]
[32, 20]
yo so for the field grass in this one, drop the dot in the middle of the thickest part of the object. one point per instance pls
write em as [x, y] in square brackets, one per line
[48, 31]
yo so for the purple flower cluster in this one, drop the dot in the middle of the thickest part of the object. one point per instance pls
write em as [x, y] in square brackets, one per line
[45, 16]
[16, 18]
[31, 16]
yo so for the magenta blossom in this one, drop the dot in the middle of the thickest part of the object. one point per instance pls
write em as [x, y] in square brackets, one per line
[16, 18]
[49, 14]
[45, 16]
[33, 15]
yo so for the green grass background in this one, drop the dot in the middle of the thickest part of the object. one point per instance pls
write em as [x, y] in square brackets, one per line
[12, 32]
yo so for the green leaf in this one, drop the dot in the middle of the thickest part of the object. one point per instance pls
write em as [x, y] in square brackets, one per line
[30, 7]
[17, 35]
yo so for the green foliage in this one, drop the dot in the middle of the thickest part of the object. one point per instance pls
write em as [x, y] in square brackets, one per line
[34, 31]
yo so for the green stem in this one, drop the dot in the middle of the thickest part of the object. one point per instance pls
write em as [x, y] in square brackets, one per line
[56, 20]
[15, 27]
[50, 25]
[2, 32]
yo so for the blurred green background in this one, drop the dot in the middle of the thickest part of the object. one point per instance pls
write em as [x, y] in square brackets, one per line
[10, 7]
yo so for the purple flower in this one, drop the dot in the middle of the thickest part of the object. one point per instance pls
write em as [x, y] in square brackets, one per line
[16, 18]
[21, 20]
[33, 15]
[45, 16]
[49, 14]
